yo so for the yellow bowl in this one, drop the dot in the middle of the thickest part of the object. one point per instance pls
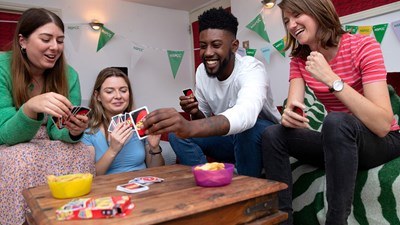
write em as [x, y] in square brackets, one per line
[70, 186]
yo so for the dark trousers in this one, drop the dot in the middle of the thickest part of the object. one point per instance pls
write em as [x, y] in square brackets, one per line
[343, 146]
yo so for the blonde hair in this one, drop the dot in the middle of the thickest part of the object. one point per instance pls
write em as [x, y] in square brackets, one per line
[55, 78]
[97, 115]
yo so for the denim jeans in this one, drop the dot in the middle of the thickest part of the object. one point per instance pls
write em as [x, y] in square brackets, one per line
[343, 146]
[243, 149]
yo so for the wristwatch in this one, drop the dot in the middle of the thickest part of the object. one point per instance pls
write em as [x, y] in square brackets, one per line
[337, 85]
[155, 153]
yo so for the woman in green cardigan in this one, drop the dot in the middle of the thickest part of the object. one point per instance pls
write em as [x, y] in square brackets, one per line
[35, 85]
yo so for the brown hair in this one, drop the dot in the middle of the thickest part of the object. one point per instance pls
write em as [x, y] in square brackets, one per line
[97, 116]
[323, 11]
[55, 78]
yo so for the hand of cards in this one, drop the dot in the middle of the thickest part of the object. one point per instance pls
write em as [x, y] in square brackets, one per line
[76, 110]
[133, 118]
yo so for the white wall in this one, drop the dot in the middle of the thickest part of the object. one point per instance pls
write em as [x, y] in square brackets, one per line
[278, 69]
[158, 29]
[217, 3]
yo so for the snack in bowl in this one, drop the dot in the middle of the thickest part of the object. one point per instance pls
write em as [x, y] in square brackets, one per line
[70, 186]
[211, 166]
[213, 174]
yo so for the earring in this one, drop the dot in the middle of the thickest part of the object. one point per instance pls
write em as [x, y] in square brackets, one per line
[23, 50]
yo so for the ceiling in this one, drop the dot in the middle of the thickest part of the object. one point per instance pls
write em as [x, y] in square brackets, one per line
[185, 5]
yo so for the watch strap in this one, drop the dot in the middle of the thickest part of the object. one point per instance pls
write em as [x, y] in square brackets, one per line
[155, 153]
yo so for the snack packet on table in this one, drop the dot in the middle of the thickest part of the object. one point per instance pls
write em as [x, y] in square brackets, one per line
[91, 208]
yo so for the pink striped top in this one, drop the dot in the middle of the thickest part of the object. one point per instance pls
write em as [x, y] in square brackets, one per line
[358, 61]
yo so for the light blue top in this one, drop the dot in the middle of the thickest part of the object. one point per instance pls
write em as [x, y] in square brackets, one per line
[130, 158]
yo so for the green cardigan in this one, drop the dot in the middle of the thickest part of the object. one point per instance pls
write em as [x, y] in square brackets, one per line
[15, 126]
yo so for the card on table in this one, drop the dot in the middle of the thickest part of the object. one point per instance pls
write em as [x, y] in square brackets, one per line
[146, 180]
[132, 188]
[137, 116]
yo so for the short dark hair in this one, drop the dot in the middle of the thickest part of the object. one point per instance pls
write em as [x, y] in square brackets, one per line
[218, 19]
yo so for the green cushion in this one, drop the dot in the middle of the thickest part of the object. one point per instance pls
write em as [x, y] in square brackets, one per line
[316, 111]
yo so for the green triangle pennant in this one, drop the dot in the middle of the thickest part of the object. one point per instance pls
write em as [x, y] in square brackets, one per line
[379, 31]
[353, 29]
[175, 58]
[257, 25]
[280, 45]
[105, 36]
[251, 51]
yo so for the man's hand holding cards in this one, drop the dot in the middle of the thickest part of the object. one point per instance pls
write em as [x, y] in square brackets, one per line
[75, 111]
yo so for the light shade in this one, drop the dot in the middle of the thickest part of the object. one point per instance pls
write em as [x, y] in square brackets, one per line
[268, 3]
[96, 25]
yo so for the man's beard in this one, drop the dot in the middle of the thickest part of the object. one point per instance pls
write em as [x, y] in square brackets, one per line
[222, 66]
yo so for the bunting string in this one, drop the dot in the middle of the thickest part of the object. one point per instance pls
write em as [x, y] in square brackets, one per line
[256, 25]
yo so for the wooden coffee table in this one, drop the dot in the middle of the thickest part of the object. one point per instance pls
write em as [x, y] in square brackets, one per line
[177, 200]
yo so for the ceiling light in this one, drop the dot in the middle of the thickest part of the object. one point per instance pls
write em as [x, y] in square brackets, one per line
[96, 25]
[268, 3]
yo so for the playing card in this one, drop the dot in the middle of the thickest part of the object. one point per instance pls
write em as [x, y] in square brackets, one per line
[82, 110]
[147, 180]
[128, 120]
[57, 122]
[137, 118]
[298, 110]
[189, 92]
[60, 122]
[132, 188]
[77, 110]
[116, 119]
[111, 127]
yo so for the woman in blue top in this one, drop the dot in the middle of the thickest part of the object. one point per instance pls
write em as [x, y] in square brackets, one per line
[120, 150]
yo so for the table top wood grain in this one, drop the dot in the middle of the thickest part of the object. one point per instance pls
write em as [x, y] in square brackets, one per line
[177, 198]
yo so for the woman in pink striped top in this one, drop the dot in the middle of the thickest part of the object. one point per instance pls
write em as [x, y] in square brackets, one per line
[348, 76]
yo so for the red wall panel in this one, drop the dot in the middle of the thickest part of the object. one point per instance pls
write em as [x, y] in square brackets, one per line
[346, 7]
[7, 29]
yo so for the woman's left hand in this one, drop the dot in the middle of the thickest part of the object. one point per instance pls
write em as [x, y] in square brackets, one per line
[154, 140]
[77, 124]
[319, 68]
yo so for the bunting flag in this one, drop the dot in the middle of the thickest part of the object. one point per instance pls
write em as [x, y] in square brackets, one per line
[353, 29]
[105, 36]
[257, 25]
[379, 31]
[241, 51]
[175, 58]
[366, 30]
[280, 45]
[74, 32]
[396, 28]
[266, 53]
[137, 52]
[251, 51]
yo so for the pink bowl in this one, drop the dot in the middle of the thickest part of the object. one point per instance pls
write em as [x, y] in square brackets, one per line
[213, 178]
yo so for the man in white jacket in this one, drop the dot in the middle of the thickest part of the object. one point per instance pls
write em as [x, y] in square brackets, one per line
[232, 107]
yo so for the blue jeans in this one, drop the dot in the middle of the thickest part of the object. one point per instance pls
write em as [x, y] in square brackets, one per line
[343, 146]
[243, 149]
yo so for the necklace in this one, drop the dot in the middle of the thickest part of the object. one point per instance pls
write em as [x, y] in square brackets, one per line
[35, 83]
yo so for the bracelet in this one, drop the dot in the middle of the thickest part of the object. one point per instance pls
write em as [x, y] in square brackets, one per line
[155, 153]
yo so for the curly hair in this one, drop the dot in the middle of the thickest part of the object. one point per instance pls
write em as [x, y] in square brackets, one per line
[218, 19]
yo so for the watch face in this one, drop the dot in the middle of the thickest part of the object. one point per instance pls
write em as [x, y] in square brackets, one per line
[338, 85]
